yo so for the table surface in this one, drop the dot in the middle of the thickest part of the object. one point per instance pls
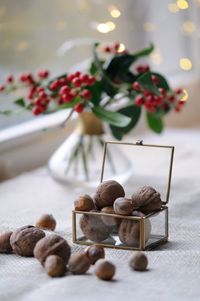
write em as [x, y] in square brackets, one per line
[174, 268]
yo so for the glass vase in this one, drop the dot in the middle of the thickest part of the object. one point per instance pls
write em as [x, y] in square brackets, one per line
[78, 161]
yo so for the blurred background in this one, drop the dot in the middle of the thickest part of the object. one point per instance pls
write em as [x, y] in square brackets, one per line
[39, 34]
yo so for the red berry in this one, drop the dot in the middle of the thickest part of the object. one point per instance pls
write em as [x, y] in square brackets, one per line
[158, 100]
[70, 77]
[37, 110]
[136, 86]
[2, 88]
[86, 94]
[10, 79]
[31, 93]
[23, 77]
[54, 85]
[116, 46]
[84, 78]
[179, 91]
[76, 82]
[91, 80]
[177, 109]
[162, 91]
[147, 93]
[60, 101]
[77, 73]
[79, 107]
[61, 82]
[107, 49]
[150, 99]
[65, 89]
[68, 97]
[139, 100]
[182, 102]
[155, 79]
[166, 106]
[172, 99]
[42, 94]
[43, 74]
[74, 92]
[40, 89]
[146, 68]
[37, 101]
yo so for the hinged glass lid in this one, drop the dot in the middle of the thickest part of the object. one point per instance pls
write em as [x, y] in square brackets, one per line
[151, 165]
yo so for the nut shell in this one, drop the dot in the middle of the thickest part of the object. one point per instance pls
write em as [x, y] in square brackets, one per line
[55, 266]
[84, 203]
[129, 232]
[24, 239]
[93, 228]
[52, 245]
[5, 246]
[123, 206]
[109, 220]
[46, 221]
[79, 263]
[107, 192]
[147, 199]
[138, 261]
[104, 269]
[94, 253]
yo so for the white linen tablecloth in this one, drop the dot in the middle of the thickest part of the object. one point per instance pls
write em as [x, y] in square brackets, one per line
[174, 268]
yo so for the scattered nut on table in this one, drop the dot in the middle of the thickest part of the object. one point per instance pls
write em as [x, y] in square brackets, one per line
[147, 199]
[55, 266]
[79, 263]
[84, 203]
[104, 269]
[24, 239]
[138, 261]
[52, 245]
[5, 246]
[94, 253]
[107, 192]
[46, 221]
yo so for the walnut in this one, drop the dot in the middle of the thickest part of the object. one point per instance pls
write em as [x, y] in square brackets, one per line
[107, 192]
[93, 228]
[84, 203]
[24, 239]
[147, 199]
[52, 245]
[109, 220]
[55, 266]
[129, 230]
[79, 263]
[5, 246]
[46, 221]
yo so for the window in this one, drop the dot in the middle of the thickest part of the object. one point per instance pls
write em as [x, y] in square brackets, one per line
[34, 35]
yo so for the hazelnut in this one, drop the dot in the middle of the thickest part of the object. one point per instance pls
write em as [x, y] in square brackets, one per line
[147, 199]
[104, 269]
[79, 263]
[84, 203]
[129, 230]
[107, 192]
[123, 206]
[24, 239]
[138, 261]
[109, 220]
[93, 228]
[46, 221]
[55, 266]
[5, 246]
[52, 245]
[94, 253]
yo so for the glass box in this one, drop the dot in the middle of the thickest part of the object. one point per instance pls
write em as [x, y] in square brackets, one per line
[152, 166]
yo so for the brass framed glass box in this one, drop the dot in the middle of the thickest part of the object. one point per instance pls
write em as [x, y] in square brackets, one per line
[151, 165]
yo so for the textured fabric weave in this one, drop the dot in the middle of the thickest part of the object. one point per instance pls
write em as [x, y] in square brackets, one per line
[174, 268]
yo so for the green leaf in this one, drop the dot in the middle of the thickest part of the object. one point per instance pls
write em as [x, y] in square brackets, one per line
[109, 87]
[162, 81]
[20, 102]
[120, 64]
[96, 91]
[146, 83]
[113, 118]
[155, 122]
[134, 113]
[6, 113]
